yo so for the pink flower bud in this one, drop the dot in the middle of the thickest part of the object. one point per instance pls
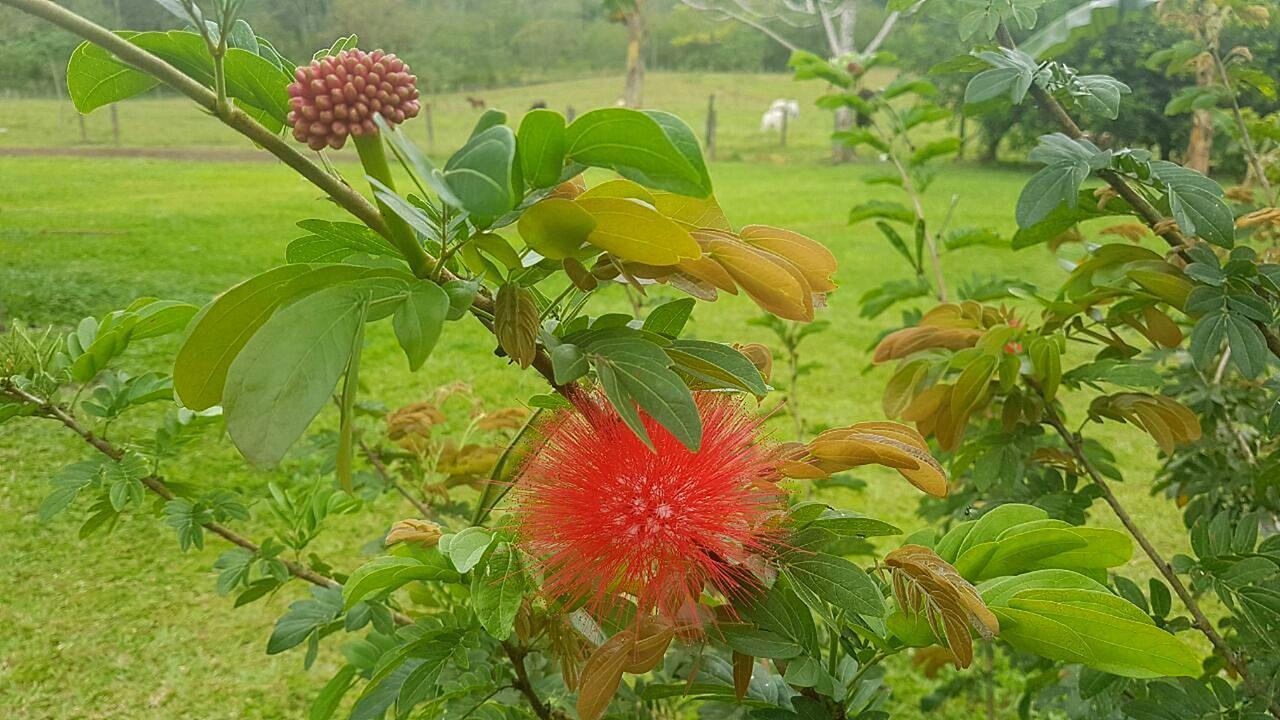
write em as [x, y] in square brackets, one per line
[337, 96]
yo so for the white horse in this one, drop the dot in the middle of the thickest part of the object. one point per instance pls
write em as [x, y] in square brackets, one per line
[772, 118]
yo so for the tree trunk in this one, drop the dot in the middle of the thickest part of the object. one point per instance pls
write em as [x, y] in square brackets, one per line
[848, 17]
[1200, 147]
[633, 94]
[841, 152]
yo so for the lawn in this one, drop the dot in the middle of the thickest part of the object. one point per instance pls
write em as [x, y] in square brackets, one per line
[123, 625]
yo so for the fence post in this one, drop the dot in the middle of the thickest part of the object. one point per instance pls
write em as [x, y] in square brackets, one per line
[115, 125]
[782, 136]
[711, 126]
[84, 133]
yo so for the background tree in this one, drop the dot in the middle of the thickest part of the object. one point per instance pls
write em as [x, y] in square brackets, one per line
[837, 20]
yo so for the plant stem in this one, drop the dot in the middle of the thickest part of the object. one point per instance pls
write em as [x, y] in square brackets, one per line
[1199, 619]
[516, 655]
[375, 459]
[485, 504]
[373, 158]
[1145, 210]
[989, 677]
[929, 240]
[1245, 139]
[346, 426]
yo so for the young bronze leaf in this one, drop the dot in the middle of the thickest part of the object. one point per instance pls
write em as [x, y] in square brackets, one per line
[653, 636]
[516, 323]
[772, 282]
[691, 211]
[815, 261]
[598, 682]
[908, 341]
[635, 231]
[760, 356]
[742, 666]
[924, 583]
[882, 443]
[1161, 329]
[1167, 421]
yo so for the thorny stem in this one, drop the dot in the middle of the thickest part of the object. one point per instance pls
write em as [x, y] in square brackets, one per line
[1200, 620]
[337, 190]
[156, 484]
[1245, 139]
[1145, 210]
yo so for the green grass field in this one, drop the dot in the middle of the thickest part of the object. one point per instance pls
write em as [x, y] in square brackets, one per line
[123, 625]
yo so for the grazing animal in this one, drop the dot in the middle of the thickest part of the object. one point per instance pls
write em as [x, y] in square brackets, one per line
[476, 103]
[538, 105]
[773, 117]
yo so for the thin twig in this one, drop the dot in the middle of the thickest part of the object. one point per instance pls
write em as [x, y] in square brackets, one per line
[516, 655]
[1246, 140]
[375, 459]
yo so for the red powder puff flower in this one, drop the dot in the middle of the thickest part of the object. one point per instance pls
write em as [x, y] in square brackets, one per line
[602, 514]
[337, 96]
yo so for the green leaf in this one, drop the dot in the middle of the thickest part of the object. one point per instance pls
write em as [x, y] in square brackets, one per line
[389, 572]
[480, 174]
[497, 588]
[998, 592]
[760, 643]
[989, 527]
[1117, 645]
[326, 703]
[1012, 555]
[225, 325]
[95, 78]
[287, 371]
[1248, 346]
[716, 365]
[541, 144]
[332, 242]
[303, 618]
[1039, 635]
[781, 611]
[669, 318]
[837, 581]
[67, 484]
[653, 149]
[419, 320]
[556, 228]
[1054, 185]
[635, 371]
[568, 363]
[881, 209]
[468, 547]
[851, 524]
[635, 231]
